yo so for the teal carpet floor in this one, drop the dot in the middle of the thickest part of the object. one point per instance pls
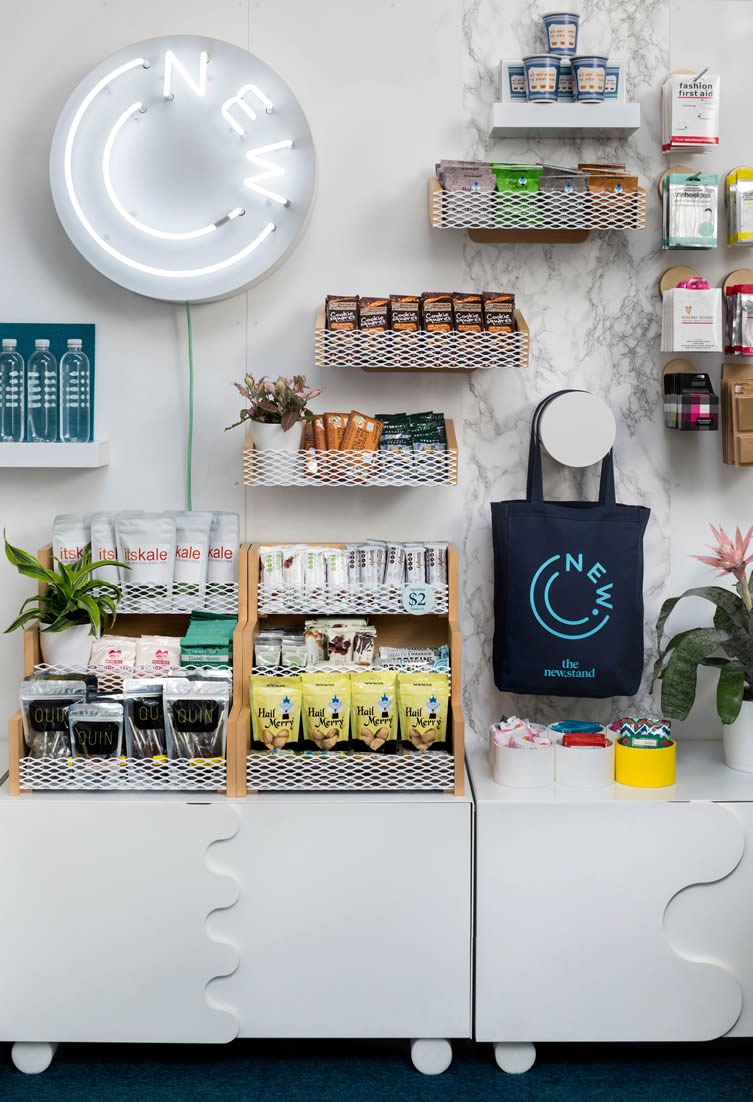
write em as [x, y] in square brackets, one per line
[381, 1072]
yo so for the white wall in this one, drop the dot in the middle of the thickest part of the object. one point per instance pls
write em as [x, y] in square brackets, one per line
[388, 89]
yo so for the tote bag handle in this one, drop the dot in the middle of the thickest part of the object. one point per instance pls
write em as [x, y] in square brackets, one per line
[535, 482]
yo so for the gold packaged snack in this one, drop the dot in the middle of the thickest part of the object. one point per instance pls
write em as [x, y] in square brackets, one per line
[374, 314]
[334, 427]
[374, 711]
[320, 437]
[275, 712]
[423, 700]
[362, 433]
[326, 710]
[405, 313]
[341, 312]
[436, 312]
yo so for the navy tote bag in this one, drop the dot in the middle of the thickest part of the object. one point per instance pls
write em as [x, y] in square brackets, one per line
[568, 589]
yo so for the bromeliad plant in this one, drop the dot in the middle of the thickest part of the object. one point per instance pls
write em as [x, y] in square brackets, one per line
[72, 597]
[282, 402]
[727, 646]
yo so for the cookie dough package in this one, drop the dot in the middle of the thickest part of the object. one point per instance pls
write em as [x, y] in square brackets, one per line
[144, 718]
[196, 718]
[374, 711]
[325, 711]
[45, 706]
[423, 700]
[146, 544]
[191, 560]
[275, 712]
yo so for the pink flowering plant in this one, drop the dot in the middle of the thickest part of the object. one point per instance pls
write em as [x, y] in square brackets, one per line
[275, 402]
[726, 646]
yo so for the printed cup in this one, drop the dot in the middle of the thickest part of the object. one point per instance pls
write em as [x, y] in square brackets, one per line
[562, 32]
[589, 78]
[565, 91]
[542, 77]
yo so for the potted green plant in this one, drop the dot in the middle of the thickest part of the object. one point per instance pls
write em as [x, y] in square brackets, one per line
[276, 409]
[727, 645]
[74, 607]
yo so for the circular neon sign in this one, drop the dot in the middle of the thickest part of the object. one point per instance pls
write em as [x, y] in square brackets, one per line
[183, 168]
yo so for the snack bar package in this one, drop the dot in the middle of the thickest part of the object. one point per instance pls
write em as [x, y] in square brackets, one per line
[423, 701]
[374, 711]
[326, 711]
[275, 712]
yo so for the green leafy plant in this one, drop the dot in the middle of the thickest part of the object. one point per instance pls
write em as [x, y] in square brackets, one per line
[726, 646]
[72, 596]
[279, 402]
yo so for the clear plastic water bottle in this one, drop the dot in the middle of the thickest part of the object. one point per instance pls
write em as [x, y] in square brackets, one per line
[11, 393]
[42, 395]
[75, 395]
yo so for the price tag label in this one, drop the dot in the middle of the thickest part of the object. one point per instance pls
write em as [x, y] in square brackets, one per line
[418, 600]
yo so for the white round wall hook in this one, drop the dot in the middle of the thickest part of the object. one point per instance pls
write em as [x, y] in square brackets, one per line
[577, 429]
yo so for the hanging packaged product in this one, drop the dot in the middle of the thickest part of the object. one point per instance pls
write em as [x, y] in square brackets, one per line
[739, 330]
[96, 729]
[222, 568]
[144, 719]
[739, 188]
[325, 711]
[689, 205]
[423, 702]
[191, 560]
[692, 318]
[196, 718]
[690, 403]
[71, 534]
[275, 712]
[690, 111]
[374, 711]
[146, 544]
[44, 708]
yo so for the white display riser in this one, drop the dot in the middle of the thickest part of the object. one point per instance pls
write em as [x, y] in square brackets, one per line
[613, 915]
[167, 918]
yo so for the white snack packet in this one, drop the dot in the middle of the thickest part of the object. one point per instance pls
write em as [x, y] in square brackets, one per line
[104, 546]
[157, 653]
[146, 544]
[70, 534]
[114, 652]
[224, 540]
[191, 560]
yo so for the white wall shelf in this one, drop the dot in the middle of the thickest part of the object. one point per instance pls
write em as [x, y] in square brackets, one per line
[96, 454]
[564, 120]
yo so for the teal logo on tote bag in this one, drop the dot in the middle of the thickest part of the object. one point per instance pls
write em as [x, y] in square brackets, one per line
[551, 578]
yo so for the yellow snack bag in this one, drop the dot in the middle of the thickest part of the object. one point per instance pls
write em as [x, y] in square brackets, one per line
[325, 710]
[275, 712]
[374, 711]
[423, 700]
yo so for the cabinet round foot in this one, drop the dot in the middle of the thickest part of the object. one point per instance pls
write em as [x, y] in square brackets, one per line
[431, 1057]
[33, 1057]
[515, 1057]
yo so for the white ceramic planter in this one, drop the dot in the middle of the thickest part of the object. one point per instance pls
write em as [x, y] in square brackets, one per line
[516, 768]
[737, 740]
[68, 648]
[275, 438]
[584, 766]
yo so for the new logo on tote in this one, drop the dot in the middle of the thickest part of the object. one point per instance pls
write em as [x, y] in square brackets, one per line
[571, 574]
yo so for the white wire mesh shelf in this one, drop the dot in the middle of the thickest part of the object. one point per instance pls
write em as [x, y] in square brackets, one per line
[291, 772]
[123, 775]
[358, 468]
[376, 600]
[552, 210]
[139, 599]
[110, 678]
[420, 351]
[351, 667]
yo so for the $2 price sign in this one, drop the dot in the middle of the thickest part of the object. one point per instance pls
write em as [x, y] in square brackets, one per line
[418, 600]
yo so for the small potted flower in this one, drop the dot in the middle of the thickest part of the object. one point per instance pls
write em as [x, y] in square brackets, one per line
[276, 409]
[726, 646]
[74, 607]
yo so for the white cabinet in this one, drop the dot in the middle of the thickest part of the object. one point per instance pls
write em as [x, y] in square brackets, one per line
[617, 914]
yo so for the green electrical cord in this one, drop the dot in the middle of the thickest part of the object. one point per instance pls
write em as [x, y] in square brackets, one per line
[189, 455]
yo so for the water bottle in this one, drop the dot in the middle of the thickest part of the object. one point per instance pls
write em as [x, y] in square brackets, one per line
[75, 395]
[11, 394]
[41, 395]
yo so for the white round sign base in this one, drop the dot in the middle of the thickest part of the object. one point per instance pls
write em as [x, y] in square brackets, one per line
[183, 168]
[577, 429]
